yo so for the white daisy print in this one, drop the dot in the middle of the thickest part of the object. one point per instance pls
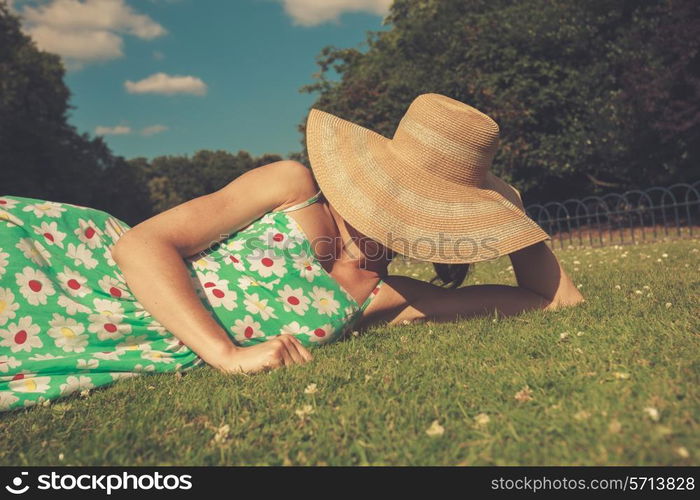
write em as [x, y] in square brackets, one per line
[293, 299]
[217, 291]
[247, 328]
[274, 238]
[7, 399]
[235, 245]
[73, 282]
[206, 263]
[21, 336]
[9, 218]
[68, 334]
[307, 266]
[75, 384]
[81, 255]
[114, 287]
[72, 307]
[107, 254]
[8, 306]
[7, 362]
[323, 301]
[34, 286]
[235, 260]
[46, 208]
[266, 263]
[89, 234]
[158, 356]
[44, 357]
[50, 232]
[35, 251]
[7, 203]
[108, 355]
[30, 384]
[135, 343]
[87, 364]
[255, 305]
[4, 261]
[107, 323]
[321, 334]
[294, 328]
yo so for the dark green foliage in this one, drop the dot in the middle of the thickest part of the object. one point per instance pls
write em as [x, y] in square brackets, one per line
[589, 95]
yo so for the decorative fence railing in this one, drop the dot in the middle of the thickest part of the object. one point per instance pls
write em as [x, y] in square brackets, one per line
[629, 217]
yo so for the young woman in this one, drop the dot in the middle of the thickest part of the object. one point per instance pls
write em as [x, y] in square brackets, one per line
[283, 258]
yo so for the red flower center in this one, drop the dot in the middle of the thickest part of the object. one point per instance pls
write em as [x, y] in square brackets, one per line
[217, 293]
[278, 237]
[35, 285]
[209, 284]
[293, 300]
[73, 283]
[116, 292]
[21, 337]
[110, 327]
[248, 332]
[267, 262]
[320, 332]
[89, 232]
[48, 236]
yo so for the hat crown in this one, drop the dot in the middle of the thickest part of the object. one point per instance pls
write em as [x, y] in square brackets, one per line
[447, 138]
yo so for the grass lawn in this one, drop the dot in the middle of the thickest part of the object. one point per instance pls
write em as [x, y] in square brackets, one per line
[611, 382]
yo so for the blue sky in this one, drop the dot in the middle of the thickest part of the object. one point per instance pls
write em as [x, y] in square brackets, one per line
[161, 77]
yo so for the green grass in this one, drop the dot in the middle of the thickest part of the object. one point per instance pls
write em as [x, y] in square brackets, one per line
[627, 349]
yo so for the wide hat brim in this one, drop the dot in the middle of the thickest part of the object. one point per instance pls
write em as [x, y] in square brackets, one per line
[409, 210]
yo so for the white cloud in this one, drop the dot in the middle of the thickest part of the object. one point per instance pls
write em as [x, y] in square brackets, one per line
[153, 130]
[314, 12]
[116, 130]
[85, 31]
[161, 83]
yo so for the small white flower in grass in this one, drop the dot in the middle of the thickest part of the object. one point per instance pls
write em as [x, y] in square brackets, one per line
[614, 426]
[582, 415]
[435, 429]
[646, 287]
[618, 287]
[682, 452]
[659, 260]
[652, 412]
[664, 255]
[524, 394]
[304, 411]
[668, 305]
[638, 292]
[482, 419]
[311, 389]
[222, 433]
[579, 333]
[621, 375]
[563, 335]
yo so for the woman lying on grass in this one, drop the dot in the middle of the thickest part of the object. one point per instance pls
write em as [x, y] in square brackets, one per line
[283, 258]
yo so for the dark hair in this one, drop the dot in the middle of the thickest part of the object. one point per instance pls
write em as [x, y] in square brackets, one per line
[451, 275]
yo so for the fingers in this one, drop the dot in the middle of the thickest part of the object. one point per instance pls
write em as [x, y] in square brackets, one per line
[297, 352]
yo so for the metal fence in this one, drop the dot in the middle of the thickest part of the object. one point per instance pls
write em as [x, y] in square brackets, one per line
[629, 217]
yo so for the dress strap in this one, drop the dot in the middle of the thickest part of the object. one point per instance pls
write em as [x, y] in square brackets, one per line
[371, 296]
[303, 204]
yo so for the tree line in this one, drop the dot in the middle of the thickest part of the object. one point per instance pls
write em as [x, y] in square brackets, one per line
[590, 97]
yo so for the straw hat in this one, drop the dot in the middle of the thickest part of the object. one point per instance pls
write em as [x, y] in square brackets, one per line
[426, 193]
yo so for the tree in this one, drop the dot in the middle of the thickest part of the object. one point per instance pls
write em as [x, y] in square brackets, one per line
[41, 155]
[578, 88]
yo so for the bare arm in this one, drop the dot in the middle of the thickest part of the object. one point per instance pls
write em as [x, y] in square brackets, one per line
[542, 284]
[151, 254]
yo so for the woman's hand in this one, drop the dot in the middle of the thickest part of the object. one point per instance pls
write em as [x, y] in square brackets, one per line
[283, 350]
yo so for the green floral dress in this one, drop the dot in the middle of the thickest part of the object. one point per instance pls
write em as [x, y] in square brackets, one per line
[69, 322]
